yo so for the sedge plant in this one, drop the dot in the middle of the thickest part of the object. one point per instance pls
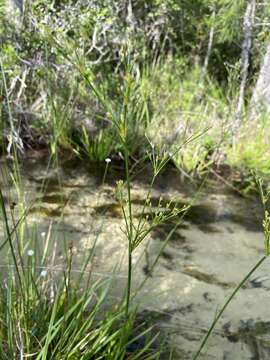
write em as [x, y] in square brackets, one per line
[126, 114]
[44, 315]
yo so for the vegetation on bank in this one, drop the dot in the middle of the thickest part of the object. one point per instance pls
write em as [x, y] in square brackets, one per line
[183, 62]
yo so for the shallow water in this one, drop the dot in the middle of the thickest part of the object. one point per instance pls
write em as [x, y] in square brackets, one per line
[213, 248]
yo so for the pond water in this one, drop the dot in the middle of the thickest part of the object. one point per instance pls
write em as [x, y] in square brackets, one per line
[213, 248]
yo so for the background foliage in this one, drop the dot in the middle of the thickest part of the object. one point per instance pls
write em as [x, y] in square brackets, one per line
[189, 82]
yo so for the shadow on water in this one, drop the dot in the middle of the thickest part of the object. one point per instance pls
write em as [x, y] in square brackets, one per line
[46, 212]
[209, 229]
[201, 214]
[207, 278]
[151, 325]
[161, 232]
[205, 215]
[54, 199]
[255, 334]
[113, 210]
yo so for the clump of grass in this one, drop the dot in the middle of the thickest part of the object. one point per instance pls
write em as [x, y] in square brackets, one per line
[50, 315]
[252, 153]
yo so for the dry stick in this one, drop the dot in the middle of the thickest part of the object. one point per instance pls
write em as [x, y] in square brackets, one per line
[226, 182]
[248, 25]
[14, 137]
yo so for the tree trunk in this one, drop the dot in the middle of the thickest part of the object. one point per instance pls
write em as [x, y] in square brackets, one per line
[261, 94]
[13, 5]
[18, 4]
[14, 11]
[248, 25]
[209, 48]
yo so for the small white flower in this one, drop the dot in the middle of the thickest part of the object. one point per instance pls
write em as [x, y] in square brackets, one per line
[108, 160]
[43, 234]
[30, 252]
[43, 273]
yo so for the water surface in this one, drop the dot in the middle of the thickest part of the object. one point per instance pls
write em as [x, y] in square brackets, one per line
[214, 246]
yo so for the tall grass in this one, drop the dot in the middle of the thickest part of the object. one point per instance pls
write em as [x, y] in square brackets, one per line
[126, 117]
[50, 313]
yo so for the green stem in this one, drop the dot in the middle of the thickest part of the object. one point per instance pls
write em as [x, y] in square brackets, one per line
[209, 332]
[130, 232]
[3, 208]
[105, 174]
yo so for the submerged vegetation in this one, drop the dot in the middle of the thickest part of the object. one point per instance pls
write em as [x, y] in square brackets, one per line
[142, 84]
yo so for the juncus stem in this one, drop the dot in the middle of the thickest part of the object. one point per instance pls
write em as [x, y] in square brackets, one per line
[209, 332]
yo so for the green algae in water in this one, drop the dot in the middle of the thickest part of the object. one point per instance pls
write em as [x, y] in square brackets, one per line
[46, 212]
[113, 209]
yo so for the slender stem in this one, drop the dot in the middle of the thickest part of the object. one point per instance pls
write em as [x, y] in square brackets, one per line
[228, 301]
[146, 202]
[10, 240]
[130, 231]
[105, 174]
